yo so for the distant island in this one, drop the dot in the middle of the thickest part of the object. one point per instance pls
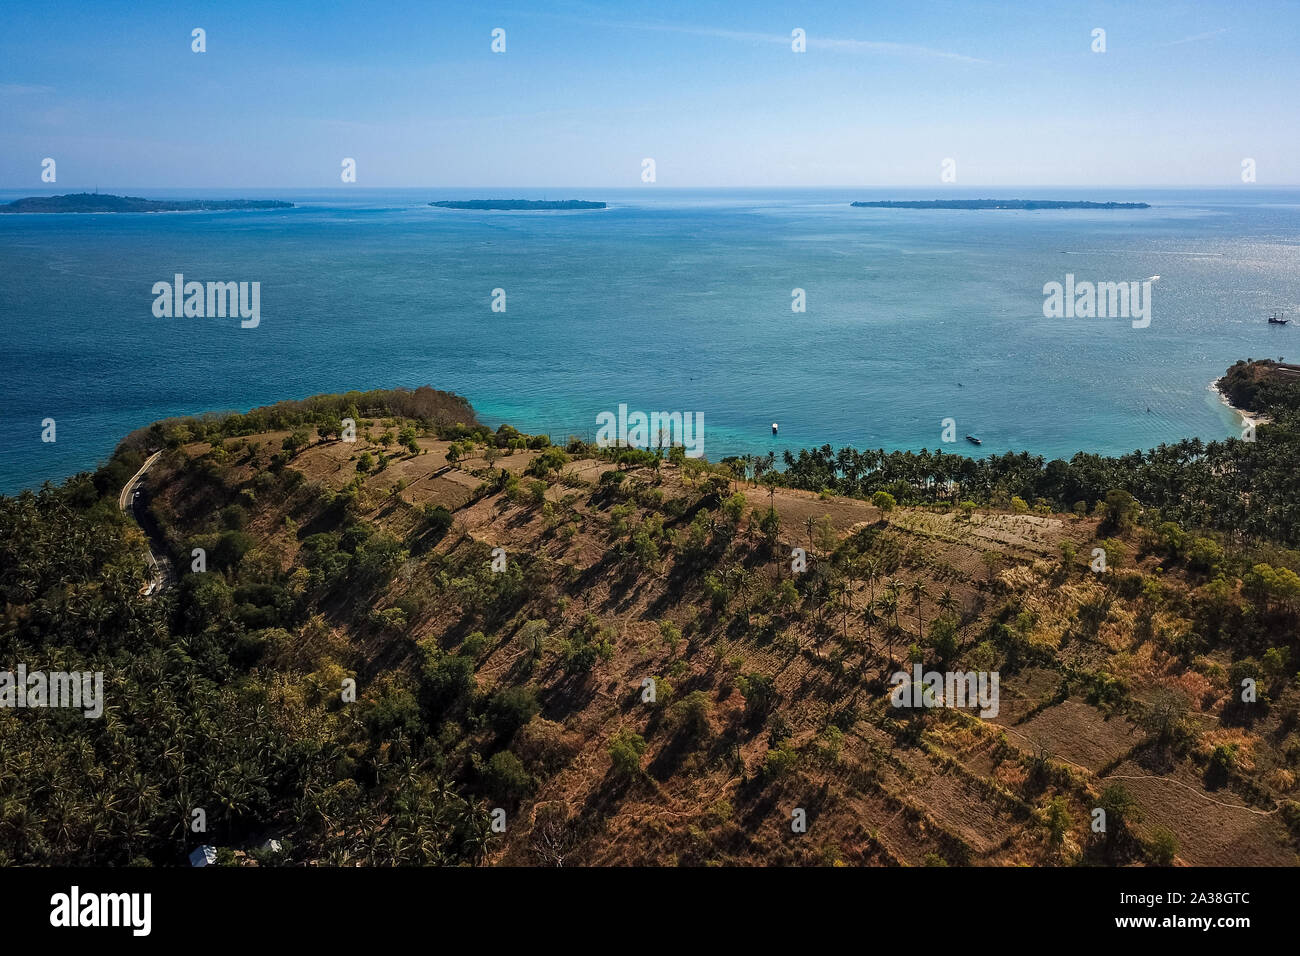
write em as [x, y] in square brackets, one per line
[998, 204]
[102, 202]
[517, 204]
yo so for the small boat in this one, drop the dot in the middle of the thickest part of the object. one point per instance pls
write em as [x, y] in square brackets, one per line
[973, 440]
[1276, 319]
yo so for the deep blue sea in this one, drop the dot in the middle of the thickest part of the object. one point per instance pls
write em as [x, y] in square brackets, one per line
[669, 300]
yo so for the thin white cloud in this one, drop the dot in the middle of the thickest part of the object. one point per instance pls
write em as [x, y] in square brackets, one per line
[813, 40]
[1195, 39]
[881, 46]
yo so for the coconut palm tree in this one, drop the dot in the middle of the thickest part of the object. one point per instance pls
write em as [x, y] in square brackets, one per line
[947, 603]
[951, 605]
[870, 618]
[889, 604]
[872, 567]
[741, 580]
[918, 590]
[843, 592]
[894, 591]
[853, 571]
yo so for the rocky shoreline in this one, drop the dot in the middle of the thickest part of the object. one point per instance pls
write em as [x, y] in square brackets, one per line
[1247, 417]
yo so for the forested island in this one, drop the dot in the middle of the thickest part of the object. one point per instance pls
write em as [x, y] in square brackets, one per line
[997, 204]
[103, 202]
[395, 626]
[517, 204]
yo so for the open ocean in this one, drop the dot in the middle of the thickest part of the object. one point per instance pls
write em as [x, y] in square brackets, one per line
[669, 300]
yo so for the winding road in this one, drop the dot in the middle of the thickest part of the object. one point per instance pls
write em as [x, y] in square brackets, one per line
[131, 502]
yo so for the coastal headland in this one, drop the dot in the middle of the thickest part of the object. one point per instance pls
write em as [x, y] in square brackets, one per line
[506, 603]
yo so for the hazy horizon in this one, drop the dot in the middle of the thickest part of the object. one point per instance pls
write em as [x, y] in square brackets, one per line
[562, 191]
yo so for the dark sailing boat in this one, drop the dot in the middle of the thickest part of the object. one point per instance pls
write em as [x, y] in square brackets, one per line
[1275, 319]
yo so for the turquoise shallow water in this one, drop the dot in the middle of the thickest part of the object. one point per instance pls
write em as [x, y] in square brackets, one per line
[668, 300]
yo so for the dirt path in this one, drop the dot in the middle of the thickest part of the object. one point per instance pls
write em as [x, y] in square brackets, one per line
[130, 502]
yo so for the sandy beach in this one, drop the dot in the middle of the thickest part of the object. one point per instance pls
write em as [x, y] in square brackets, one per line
[1247, 417]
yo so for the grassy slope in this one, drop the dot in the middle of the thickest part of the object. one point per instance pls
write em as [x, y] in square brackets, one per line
[878, 787]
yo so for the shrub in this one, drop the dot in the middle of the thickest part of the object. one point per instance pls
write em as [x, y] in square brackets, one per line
[536, 492]
[671, 634]
[1223, 761]
[233, 518]
[377, 559]
[1204, 555]
[510, 709]
[780, 761]
[1163, 846]
[691, 714]
[393, 711]
[506, 778]
[1119, 511]
[296, 441]
[437, 519]
[230, 550]
[625, 750]
[760, 695]
[391, 620]
[551, 460]
[943, 638]
[1276, 661]
[1121, 811]
[1115, 552]
[533, 637]
[1058, 820]
[448, 680]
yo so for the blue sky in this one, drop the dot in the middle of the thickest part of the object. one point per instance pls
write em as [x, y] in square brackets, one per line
[712, 91]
